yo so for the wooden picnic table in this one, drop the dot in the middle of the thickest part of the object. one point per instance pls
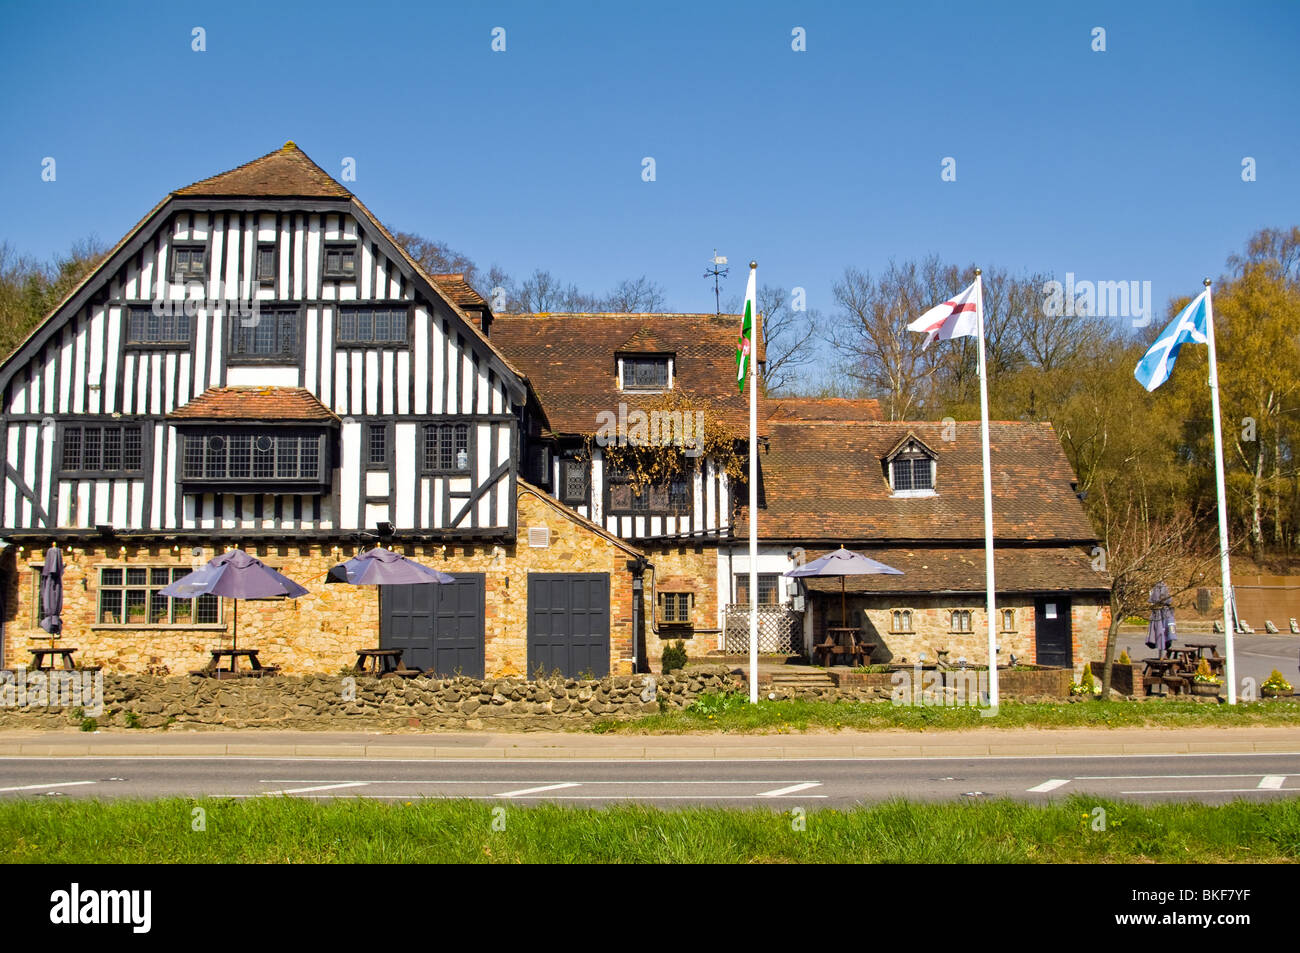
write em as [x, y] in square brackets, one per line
[256, 669]
[844, 641]
[1202, 647]
[43, 659]
[1163, 671]
[385, 663]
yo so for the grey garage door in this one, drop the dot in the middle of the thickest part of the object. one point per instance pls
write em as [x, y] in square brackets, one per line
[437, 626]
[568, 623]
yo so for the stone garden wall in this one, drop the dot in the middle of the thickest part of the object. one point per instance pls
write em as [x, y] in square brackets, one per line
[337, 702]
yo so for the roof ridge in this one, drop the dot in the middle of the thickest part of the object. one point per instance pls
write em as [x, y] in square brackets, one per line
[289, 150]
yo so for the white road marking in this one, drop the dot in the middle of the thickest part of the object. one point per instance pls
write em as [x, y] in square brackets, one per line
[39, 787]
[545, 787]
[782, 792]
[1167, 777]
[1050, 785]
[1272, 782]
[1204, 791]
[499, 781]
[318, 787]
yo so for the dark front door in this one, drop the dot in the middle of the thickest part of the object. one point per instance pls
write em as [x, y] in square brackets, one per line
[568, 623]
[437, 626]
[1053, 640]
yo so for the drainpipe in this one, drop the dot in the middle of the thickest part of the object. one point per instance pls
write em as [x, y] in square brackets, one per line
[637, 567]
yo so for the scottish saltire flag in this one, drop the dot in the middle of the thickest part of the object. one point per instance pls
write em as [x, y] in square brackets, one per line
[958, 318]
[745, 343]
[1158, 362]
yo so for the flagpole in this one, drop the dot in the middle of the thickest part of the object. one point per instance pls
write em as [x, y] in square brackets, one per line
[1226, 576]
[753, 500]
[988, 496]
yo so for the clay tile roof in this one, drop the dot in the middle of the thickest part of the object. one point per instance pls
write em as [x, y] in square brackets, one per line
[572, 364]
[255, 403]
[460, 291]
[826, 481]
[643, 342]
[823, 408]
[961, 569]
[287, 172]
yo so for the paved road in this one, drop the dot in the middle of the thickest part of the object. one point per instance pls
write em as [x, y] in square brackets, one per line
[775, 783]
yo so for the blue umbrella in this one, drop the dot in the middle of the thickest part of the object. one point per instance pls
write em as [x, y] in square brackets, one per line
[1160, 630]
[383, 567]
[52, 593]
[844, 562]
[237, 575]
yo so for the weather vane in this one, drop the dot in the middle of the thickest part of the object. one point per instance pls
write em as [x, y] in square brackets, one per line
[717, 271]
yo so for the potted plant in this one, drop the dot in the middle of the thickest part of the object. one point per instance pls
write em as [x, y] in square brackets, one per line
[1204, 681]
[1275, 686]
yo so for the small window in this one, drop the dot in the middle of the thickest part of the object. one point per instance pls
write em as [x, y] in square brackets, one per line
[271, 335]
[109, 449]
[368, 325]
[1008, 620]
[675, 607]
[912, 473]
[769, 588]
[145, 326]
[645, 373]
[961, 620]
[341, 260]
[901, 620]
[189, 261]
[377, 445]
[446, 448]
[266, 264]
[573, 482]
[130, 596]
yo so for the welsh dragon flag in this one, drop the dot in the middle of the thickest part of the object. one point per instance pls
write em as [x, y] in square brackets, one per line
[745, 343]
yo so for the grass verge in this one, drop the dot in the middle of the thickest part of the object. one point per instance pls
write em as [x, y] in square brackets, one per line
[733, 713]
[288, 830]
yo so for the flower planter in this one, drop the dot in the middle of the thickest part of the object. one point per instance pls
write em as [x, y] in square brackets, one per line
[1270, 692]
[1205, 688]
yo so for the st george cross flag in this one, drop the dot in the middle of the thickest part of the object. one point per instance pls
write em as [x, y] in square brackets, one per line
[745, 343]
[1158, 362]
[958, 318]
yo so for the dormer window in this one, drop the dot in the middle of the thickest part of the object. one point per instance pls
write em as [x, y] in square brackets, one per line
[645, 372]
[910, 468]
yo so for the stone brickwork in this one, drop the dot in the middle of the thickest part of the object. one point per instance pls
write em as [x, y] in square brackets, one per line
[932, 629]
[319, 632]
[683, 568]
[332, 702]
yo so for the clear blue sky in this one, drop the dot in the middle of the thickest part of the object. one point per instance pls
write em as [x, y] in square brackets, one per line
[1117, 165]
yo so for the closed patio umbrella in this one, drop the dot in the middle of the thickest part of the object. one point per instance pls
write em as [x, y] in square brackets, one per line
[844, 562]
[52, 593]
[1160, 630]
[236, 575]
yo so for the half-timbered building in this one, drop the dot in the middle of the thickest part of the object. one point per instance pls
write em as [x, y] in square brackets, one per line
[258, 363]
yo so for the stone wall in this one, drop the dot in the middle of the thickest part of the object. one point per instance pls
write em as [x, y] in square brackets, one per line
[932, 626]
[692, 567]
[332, 702]
[319, 632]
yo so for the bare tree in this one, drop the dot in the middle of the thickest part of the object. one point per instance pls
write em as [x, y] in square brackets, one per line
[1138, 553]
[870, 333]
[635, 296]
[438, 258]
